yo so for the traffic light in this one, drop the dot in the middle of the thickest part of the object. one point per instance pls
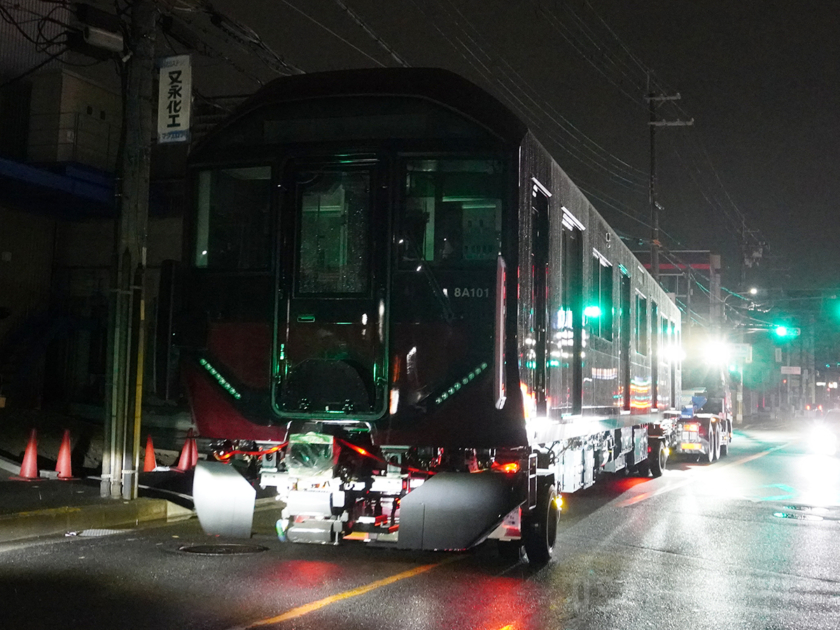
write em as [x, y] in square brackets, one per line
[593, 311]
[785, 332]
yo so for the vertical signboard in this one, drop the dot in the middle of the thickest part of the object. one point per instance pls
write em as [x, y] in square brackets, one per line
[174, 99]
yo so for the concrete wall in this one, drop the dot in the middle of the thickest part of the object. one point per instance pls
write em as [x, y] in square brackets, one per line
[73, 119]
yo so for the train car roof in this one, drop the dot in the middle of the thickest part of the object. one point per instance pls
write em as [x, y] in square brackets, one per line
[434, 84]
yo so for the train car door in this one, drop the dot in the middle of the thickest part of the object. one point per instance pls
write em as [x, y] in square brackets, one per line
[572, 296]
[331, 323]
[626, 327]
[540, 270]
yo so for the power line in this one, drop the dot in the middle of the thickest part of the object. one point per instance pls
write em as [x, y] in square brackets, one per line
[583, 152]
[367, 29]
[559, 26]
[34, 68]
[332, 32]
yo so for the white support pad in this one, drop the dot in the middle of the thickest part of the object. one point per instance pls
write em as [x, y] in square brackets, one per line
[224, 500]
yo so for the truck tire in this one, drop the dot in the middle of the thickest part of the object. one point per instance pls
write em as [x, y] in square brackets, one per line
[540, 531]
[657, 458]
[708, 458]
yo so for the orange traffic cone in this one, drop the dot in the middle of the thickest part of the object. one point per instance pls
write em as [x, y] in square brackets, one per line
[149, 461]
[185, 461]
[29, 467]
[63, 466]
[193, 452]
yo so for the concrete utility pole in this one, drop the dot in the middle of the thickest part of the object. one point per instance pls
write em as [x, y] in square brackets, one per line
[653, 99]
[121, 455]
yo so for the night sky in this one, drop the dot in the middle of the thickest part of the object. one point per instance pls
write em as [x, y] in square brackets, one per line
[760, 80]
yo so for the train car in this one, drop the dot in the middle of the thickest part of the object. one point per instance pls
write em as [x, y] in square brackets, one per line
[402, 314]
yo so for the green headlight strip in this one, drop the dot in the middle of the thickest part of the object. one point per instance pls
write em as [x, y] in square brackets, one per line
[220, 379]
[459, 384]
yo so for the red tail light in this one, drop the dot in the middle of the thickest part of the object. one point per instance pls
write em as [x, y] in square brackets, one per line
[509, 467]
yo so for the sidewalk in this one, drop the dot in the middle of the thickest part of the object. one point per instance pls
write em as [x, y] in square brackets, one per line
[45, 507]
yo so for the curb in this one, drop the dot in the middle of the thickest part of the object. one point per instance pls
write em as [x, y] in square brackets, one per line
[60, 520]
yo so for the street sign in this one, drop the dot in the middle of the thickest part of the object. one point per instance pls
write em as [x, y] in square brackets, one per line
[174, 99]
[741, 352]
[791, 369]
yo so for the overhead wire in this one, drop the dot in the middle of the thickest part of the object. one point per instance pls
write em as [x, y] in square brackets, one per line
[564, 32]
[467, 45]
[367, 29]
[621, 67]
[332, 32]
[555, 116]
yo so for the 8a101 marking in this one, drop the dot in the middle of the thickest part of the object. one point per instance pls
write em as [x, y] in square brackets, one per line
[470, 292]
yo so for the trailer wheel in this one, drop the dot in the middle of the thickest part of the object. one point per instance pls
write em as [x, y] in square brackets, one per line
[540, 532]
[708, 458]
[658, 458]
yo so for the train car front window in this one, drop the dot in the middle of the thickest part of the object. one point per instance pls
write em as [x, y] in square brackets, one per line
[232, 218]
[333, 255]
[452, 215]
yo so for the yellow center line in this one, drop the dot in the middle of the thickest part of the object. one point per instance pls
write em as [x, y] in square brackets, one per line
[648, 495]
[300, 611]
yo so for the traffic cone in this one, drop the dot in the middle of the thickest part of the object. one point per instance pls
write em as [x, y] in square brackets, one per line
[185, 461]
[63, 466]
[149, 461]
[29, 467]
[193, 452]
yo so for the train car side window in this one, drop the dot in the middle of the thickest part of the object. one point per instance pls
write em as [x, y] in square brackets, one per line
[452, 212]
[641, 325]
[600, 306]
[232, 219]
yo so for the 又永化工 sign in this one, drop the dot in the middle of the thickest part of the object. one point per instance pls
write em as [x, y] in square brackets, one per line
[174, 99]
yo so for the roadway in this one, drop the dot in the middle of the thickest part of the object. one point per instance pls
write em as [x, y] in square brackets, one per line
[752, 541]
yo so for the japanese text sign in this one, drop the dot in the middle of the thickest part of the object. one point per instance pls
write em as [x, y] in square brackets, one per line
[174, 99]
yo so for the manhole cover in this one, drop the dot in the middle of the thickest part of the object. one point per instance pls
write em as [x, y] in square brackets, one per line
[222, 549]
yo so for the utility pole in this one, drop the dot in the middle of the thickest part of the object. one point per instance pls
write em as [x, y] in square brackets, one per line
[121, 455]
[653, 100]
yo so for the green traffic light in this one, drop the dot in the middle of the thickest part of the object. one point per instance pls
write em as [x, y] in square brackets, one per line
[786, 332]
[592, 311]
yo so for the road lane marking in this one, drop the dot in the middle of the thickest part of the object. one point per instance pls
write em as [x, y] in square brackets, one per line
[676, 486]
[300, 611]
